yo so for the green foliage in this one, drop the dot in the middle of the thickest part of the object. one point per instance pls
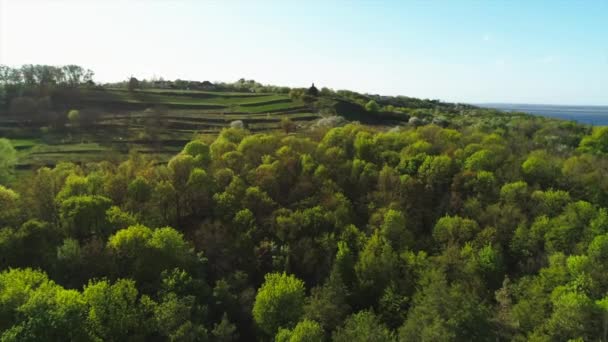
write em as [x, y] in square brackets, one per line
[436, 171]
[363, 326]
[38, 309]
[224, 331]
[170, 244]
[550, 202]
[114, 310]
[372, 106]
[364, 145]
[450, 230]
[74, 116]
[514, 193]
[69, 252]
[481, 160]
[9, 202]
[174, 316]
[199, 150]
[482, 226]
[597, 142]
[541, 168]
[17, 286]
[139, 190]
[74, 185]
[180, 167]
[131, 240]
[395, 230]
[279, 302]
[138, 246]
[8, 160]
[30, 245]
[376, 267]
[85, 216]
[598, 248]
[119, 219]
[444, 312]
[327, 304]
[573, 315]
[304, 331]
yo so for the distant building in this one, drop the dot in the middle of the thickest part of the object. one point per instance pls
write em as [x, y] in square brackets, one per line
[313, 91]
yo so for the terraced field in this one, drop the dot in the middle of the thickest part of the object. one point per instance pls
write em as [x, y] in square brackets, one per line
[191, 99]
[157, 122]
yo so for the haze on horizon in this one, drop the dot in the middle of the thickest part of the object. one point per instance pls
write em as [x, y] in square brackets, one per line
[475, 52]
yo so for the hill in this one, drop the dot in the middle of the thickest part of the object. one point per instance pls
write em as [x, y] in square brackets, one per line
[114, 119]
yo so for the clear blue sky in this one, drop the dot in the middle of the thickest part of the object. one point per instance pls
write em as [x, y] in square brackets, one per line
[468, 51]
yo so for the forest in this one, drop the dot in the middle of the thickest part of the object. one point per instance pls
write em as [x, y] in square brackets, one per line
[445, 222]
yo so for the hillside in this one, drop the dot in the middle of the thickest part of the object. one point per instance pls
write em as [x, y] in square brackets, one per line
[151, 121]
[113, 120]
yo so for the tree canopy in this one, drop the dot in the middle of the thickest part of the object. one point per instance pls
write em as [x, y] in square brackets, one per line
[477, 226]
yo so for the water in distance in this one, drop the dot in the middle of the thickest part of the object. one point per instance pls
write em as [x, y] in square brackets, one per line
[592, 115]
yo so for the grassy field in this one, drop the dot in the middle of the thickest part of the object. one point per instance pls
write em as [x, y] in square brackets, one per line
[158, 122]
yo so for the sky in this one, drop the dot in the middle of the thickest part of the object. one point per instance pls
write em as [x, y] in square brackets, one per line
[545, 52]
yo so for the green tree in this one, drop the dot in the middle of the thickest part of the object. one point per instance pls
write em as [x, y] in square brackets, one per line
[372, 106]
[394, 229]
[9, 202]
[17, 287]
[139, 191]
[327, 304]
[74, 118]
[200, 151]
[8, 159]
[514, 193]
[142, 252]
[365, 147]
[376, 267]
[436, 170]
[575, 315]
[597, 142]
[180, 166]
[34, 308]
[42, 192]
[74, 185]
[224, 331]
[482, 160]
[115, 313]
[85, 216]
[541, 168]
[174, 317]
[199, 190]
[363, 326]
[450, 230]
[279, 303]
[443, 312]
[304, 331]
[118, 219]
[40, 309]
